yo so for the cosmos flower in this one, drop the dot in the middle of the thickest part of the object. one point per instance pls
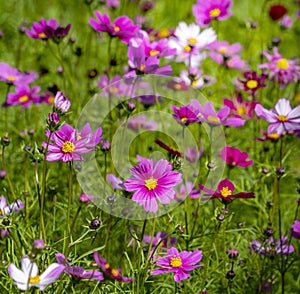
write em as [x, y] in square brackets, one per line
[207, 10]
[24, 96]
[68, 143]
[116, 182]
[281, 69]
[282, 118]
[295, 229]
[193, 77]
[225, 192]
[78, 272]
[235, 157]
[184, 115]
[61, 103]
[6, 209]
[152, 183]
[140, 122]
[28, 277]
[179, 263]
[239, 107]
[110, 272]
[114, 86]
[270, 248]
[269, 136]
[252, 82]
[286, 22]
[45, 30]
[122, 27]
[208, 114]
[277, 11]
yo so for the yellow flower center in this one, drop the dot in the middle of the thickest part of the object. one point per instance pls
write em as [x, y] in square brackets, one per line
[163, 33]
[223, 50]
[282, 118]
[177, 86]
[23, 98]
[154, 52]
[142, 67]
[192, 41]
[68, 147]
[215, 12]
[34, 280]
[194, 83]
[241, 110]
[273, 136]
[10, 78]
[113, 90]
[51, 99]
[1, 212]
[42, 35]
[107, 265]
[225, 192]
[114, 272]
[282, 63]
[213, 119]
[183, 120]
[116, 28]
[175, 262]
[187, 48]
[252, 84]
[151, 183]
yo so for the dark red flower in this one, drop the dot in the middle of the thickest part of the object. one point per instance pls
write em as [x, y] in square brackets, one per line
[277, 11]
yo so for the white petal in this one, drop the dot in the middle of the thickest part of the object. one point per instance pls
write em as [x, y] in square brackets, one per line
[283, 107]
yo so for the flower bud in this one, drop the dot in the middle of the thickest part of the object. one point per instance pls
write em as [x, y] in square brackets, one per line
[232, 253]
[105, 146]
[268, 232]
[84, 198]
[5, 141]
[2, 174]
[95, 224]
[61, 103]
[39, 244]
[230, 275]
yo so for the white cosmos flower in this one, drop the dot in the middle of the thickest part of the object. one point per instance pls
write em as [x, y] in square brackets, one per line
[28, 277]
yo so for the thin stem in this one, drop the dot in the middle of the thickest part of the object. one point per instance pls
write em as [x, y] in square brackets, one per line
[7, 176]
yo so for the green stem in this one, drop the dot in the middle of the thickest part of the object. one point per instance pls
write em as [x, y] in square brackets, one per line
[7, 176]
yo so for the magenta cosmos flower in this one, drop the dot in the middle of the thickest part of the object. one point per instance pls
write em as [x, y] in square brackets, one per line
[24, 96]
[280, 69]
[252, 82]
[225, 192]
[282, 118]
[151, 183]
[208, 114]
[207, 10]
[235, 157]
[295, 229]
[184, 115]
[45, 30]
[110, 272]
[123, 27]
[179, 263]
[68, 143]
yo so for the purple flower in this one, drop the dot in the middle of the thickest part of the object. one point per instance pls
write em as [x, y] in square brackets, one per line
[78, 272]
[110, 272]
[61, 102]
[225, 192]
[6, 209]
[280, 69]
[295, 229]
[179, 263]
[286, 22]
[232, 253]
[163, 238]
[24, 96]
[184, 115]
[45, 30]
[68, 143]
[282, 118]
[2, 174]
[123, 27]
[139, 122]
[253, 82]
[235, 157]
[207, 113]
[116, 182]
[151, 183]
[84, 198]
[39, 244]
[114, 86]
[207, 10]
[28, 277]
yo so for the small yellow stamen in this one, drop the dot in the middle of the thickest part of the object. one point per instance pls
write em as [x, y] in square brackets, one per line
[142, 67]
[282, 63]
[183, 120]
[23, 98]
[177, 86]
[273, 136]
[282, 118]
[192, 41]
[225, 192]
[154, 52]
[10, 78]
[241, 110]
[223, 50]
[252, 84]
[194, 83]
[68, 147]
[187, 48]
[107, 265]
[116, 28]
[175, 262]
[34, 280]
[113, 90]
[163, 33]
[1, 212]
[215, 12]
[114, 272]
[213, 119]
[151, 183]
[42, 35]
[51, 99]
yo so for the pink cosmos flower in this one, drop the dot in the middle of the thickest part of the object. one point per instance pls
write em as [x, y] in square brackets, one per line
[116, 182]
[45, 30]
[286, 22]
[123, 27]
[295, 229]
[280, 69]
[252, 82]
[28, 277]
[235, 157]
[282, 118]
[114, 86]
[24, 96]
[184, 115]
[179, 263]
[151, 183]
[140, 122]
[68, 143]
[207, 10]
[6, 209]
[110, 272]
[193, 77]
[225, 192]
[208, 114]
